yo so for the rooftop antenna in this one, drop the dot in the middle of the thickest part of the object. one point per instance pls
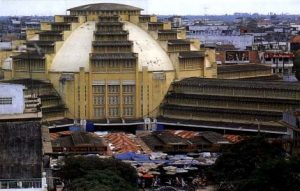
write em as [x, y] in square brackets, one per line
[205, 13]
[38, 49]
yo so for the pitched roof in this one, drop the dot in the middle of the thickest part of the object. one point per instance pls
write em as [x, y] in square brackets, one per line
[243, 68]
[191, 54]
[202, 82]
[105, 7]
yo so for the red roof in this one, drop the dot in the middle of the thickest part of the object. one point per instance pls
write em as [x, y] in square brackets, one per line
[185, 134]
[54, 136]
[122, 142]
[296, 39]
[233, 138]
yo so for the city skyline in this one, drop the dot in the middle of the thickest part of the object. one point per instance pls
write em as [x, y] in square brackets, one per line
[191, 7]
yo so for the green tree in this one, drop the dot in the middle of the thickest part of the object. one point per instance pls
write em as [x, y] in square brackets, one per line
[92, 173]
[243, 158]
[274, 175]
[297, 65]
[256, 165]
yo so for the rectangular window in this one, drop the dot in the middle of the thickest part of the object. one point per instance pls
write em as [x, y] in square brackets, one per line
[113, 64]
[21, 65]
[98, 112]
[114, 89]
[113, 111]
[5, 100]
[128, 65]
[128, 111]
[98, 100]
[113, 100]
[128, 89]
[98, 89]
[38, 66]
[128, 99]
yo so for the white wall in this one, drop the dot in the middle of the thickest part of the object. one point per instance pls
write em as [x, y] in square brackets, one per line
[23, 189]
[16, 92]
[239, 41]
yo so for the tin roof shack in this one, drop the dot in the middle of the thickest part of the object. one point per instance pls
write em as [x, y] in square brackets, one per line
[79, 142]
[167, 142]
[121, 142]
[205, 141]
[176, 142]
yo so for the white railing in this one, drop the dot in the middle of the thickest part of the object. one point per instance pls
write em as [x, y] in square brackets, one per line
[36, 184]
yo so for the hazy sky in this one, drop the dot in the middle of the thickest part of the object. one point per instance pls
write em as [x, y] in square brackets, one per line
[162, 7]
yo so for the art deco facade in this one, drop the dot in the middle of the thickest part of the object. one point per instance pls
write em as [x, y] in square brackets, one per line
[108, 61]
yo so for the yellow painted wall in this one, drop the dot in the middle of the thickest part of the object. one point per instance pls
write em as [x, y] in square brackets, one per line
[134, 19]
[144, 26]
[153, 34]
[75, 25]
[31, 33]
[154, 90]
[45, 26]
[3, 56]
[195, 43]
[7, 74]
[68, 91]
[167, 25]
[35, 75]
[190, 73]
[92, 17]
[66, 34]
[124, 17]
[153, 18]
[158, 90]
[81, 19]
[58, 45]
[181, 33]
[175, 62]
[58, 18]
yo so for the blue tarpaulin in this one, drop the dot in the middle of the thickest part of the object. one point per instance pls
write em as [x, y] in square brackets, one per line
[74, 128]
[132, 156]
[160, 127]
[90, 126]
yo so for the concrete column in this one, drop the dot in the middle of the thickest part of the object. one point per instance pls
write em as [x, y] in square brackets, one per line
[145, 99]
[82, 84]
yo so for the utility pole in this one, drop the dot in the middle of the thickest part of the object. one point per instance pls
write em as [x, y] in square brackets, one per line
[258, 126]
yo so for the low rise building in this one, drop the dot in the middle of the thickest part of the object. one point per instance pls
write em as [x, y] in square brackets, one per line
[11, 99]
[176, 142]
[79, 143]
[281, 62]
[239, 105]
